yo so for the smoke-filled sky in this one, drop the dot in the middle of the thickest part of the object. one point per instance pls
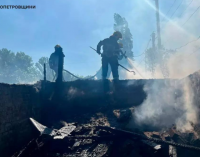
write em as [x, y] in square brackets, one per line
[78, 24]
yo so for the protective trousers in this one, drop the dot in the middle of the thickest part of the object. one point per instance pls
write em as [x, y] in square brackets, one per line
[113, 61]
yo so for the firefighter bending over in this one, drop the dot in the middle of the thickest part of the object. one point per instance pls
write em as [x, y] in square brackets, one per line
[110, 54]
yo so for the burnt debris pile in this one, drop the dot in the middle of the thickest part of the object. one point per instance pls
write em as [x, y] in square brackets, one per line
[81, 140]
[106, 118]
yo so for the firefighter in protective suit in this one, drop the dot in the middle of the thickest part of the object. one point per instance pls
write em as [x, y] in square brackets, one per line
[110, 54]
[54, 58]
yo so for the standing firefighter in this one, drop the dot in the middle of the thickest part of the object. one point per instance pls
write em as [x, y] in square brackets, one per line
[56, 61]
[110, 54]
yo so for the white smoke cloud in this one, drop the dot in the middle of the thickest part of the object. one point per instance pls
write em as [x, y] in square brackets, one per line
[167, 103]
[190, 115]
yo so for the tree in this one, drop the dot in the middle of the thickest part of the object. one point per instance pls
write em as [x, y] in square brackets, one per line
[16, 68]
[23, 61]
[19, 68]
[7, 66]
[26, 71]
[121, 25]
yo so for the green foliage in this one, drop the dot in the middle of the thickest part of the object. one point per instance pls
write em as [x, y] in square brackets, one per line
[16, 68]
[23, 61]
[19, 68]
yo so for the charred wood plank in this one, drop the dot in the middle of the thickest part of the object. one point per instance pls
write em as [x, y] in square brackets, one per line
[140, 136]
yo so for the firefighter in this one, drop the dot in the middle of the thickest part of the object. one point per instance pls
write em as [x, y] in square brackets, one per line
[110, 54]
[54, 60]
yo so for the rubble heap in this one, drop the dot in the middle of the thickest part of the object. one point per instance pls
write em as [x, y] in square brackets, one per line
[97, 139]
[99, 122]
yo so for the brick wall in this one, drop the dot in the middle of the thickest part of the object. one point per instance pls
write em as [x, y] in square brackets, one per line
[17, 104]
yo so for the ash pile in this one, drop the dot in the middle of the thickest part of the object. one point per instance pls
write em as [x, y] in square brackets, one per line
[98, 139]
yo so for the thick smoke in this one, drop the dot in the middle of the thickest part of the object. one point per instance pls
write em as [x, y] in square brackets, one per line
[167, 103]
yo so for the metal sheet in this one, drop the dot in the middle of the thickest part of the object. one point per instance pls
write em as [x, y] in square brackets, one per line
[57, 134]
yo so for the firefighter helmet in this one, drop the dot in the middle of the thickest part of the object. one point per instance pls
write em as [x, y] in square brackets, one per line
[117, 34]
[57, 47]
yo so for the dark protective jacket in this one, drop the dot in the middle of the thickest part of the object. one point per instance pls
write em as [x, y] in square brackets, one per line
[111, 50]
[110, 47]
[53, 60]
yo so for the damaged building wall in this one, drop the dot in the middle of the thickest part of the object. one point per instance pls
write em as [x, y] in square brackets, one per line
[17, 104]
